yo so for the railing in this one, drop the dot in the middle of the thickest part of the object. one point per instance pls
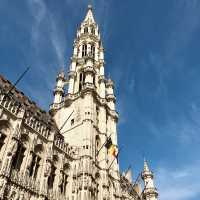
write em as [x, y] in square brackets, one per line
[37, 126]
[25, 181]
[9, 104]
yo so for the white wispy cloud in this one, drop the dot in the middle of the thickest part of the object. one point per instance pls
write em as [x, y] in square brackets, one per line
[58, 41]
[40, 12]
[179, 184]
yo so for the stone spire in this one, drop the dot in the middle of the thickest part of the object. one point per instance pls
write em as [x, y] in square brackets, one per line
[150, 192]
[89, 16]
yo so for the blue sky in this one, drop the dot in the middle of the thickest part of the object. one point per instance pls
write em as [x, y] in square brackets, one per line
[152, 53]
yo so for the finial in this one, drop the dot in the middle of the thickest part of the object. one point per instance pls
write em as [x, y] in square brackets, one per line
[90, 6]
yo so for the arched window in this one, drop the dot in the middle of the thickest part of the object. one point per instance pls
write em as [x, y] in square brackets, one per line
[84, 50]
[4, 132]
[97, 111]
[98, 143]
[81, 81]
[18, 158]
[51, 178]
[2, 140]
[35, 164]
[92, 30]
[86, 30]
[93, 51]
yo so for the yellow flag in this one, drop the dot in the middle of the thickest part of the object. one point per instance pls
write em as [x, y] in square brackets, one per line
[113, 150]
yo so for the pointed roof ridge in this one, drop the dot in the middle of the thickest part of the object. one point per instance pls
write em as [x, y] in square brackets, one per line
[128, 173]
[89, 15]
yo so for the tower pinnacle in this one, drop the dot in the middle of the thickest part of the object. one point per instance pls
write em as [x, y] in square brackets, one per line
[89, 16]
[150, 192]
[90, 7]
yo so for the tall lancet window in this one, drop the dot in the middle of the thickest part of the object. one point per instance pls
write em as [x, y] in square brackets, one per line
[92, 30]
[18, 158]
[51, 178]
[2, 140]
[84, 50]
[81, 80]
[86, 30]
[93, 51]
[35, 164]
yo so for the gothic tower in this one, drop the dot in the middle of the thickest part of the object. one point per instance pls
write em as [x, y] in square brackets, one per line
[86, 115]
[71, 152]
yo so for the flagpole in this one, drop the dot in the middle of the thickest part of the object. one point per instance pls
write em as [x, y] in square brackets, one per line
[137, 179]
[144, 189]
[18, 80]
[127, 170]
[102, 145]
[65, 121]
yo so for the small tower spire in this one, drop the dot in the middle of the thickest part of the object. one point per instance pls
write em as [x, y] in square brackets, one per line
[146, 167]
[59, 89]
[89, 16]
[149, 192]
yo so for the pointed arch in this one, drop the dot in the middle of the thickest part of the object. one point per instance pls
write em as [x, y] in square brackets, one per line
[93, 50]
[85, 29]
[84, 50]
[92, 30]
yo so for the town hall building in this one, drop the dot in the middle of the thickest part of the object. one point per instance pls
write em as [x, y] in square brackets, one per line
[71, 151]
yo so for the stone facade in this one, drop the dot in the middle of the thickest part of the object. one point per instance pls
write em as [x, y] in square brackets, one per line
[60, 154]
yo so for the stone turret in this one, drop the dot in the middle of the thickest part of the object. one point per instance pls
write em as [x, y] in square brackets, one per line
[59, 89]
[150, 192]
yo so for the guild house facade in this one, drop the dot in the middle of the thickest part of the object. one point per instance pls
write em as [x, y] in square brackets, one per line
[70, 152]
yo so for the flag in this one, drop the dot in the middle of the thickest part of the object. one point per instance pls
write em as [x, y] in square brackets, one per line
[113, 150]
[108, 143]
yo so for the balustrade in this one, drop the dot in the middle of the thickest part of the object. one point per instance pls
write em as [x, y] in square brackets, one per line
[10, 104]
[24, 181]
